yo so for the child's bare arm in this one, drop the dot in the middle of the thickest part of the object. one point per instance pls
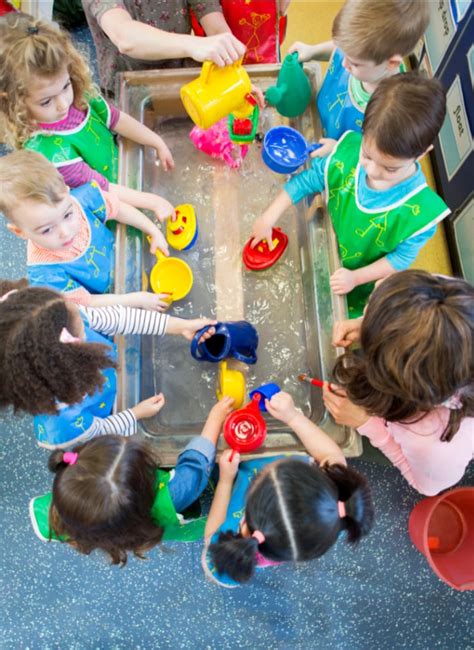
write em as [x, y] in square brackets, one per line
[317, 443]
[143, 200]
[318, 52]
[227, 471]
[215, 419]
[344, 280]
[262, 227]
[130, 216]
[128, 127]
[138, 299]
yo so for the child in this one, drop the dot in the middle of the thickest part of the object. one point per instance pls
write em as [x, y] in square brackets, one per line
[370, 39]
[283, 508]
[69, 246]
[58, 363]
[411, 387]
[110, 493]
[48, 104]
[380, 206]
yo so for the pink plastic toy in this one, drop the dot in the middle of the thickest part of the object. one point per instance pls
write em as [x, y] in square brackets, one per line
[216, 142]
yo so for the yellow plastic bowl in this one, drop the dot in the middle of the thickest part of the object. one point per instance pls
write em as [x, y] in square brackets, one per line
[231, 383]
[171, 275]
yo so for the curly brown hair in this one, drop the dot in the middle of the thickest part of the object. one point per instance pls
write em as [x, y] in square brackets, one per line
[34, 48]
[417, 344]
[104, 500]
[38, 370]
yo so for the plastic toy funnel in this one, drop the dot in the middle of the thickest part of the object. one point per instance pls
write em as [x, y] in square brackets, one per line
[292, 93]
[261, 257]
[285, 149]
[182, 233]
[245, 430]
[216, 93]
[171, 275]
[231, 383]
[442, 528]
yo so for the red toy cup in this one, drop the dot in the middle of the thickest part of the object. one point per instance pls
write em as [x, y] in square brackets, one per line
[245, 429]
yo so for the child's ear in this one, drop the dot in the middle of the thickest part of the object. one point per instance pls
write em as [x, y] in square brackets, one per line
[394, 62]
[430, 148]
[16, 231]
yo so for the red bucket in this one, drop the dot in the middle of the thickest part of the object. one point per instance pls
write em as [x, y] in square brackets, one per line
[442, 528]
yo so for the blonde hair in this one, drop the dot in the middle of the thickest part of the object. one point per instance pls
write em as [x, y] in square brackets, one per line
[27, 175]
[375, 30]
[34, 48]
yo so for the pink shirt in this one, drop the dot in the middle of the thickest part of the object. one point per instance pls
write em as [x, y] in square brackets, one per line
[427, 463]
[79, 173]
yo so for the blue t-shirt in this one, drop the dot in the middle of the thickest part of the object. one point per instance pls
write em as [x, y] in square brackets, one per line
[313, 180]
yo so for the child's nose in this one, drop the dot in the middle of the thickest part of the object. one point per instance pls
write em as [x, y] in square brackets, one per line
[61, 104]
[346, 65]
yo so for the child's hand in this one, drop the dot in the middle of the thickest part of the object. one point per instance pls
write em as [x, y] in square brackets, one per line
[259, 96]
[228, 468]
[346, 332]
[282, 407]
[327, 146]
[157, 240]
[223, 407]
[261, 229]
[162, 208]
[149, 407]
[190, 327]
[164, 154]
[148, 300]
[342, 409]
[342, 281]
[305, 52]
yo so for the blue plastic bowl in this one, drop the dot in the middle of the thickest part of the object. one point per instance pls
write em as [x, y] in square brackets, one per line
[285, 149]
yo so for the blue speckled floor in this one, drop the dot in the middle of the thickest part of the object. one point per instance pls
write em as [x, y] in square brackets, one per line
[380, 596]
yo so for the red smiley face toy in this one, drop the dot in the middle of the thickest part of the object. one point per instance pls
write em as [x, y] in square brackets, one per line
[261, 257]
[245, 429]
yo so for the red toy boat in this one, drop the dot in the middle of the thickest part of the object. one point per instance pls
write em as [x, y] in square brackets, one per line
[245, 429]
[260, 257]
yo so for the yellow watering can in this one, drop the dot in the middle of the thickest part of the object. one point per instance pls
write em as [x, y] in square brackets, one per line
[216, 93]
[172, 276]
[231, 383]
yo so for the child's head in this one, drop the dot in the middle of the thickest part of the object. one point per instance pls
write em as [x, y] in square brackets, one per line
[41, 75]
[103, 497]
[375, 35]
[293, 508]
[403, 117]
[40, 366]
[416, 349]
[36, 200]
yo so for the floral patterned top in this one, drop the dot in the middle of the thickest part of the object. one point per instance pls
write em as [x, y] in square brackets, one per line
[168, 15]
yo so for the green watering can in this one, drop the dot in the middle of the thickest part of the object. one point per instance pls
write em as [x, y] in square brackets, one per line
[292, 93]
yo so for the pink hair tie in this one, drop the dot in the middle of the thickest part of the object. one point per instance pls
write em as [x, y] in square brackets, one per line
[8, 293]
[341, 508]
[70, 457]
[259, 536]
[66, 337]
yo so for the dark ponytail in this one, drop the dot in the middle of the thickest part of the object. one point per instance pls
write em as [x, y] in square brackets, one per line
[235, 555]
[353, 490]
[294, 506]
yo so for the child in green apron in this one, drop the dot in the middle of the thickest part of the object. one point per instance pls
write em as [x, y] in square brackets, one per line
[48, 104]
[381, 208]
[111, 494]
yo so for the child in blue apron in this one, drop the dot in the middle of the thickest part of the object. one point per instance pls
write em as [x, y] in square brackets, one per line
[111, 494]
[58, 362]
[285, 508]
[70, 248]
[378, 200]
[370, 39]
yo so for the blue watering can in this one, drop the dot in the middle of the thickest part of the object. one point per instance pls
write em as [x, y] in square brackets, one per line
[238, 339]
